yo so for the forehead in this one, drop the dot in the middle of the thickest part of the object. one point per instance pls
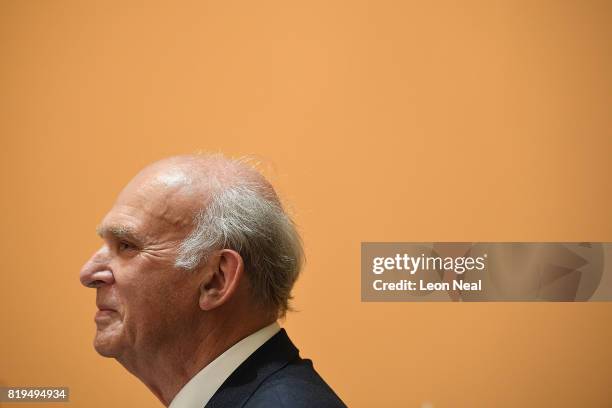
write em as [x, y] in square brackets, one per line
[156, 204]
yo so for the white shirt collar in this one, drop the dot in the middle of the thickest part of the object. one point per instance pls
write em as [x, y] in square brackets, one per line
[202, 386]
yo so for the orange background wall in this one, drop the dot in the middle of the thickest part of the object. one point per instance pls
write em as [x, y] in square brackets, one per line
[376, 120]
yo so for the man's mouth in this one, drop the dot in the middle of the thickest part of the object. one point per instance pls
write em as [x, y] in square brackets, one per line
[104, 313]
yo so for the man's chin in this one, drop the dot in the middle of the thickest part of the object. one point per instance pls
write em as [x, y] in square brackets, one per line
[106, 344]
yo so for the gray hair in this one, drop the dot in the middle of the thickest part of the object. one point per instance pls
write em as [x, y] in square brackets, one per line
[247, 217]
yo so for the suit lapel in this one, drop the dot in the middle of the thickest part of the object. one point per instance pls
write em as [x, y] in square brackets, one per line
[273, 355]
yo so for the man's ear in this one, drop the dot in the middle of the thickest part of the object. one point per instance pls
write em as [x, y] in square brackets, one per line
[222, 279]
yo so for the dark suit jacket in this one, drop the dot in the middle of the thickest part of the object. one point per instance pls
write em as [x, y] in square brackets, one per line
[275, 376]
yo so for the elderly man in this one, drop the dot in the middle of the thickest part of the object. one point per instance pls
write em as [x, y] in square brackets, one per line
[197, 264]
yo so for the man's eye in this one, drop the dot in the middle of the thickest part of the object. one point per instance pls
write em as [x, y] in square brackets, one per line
[125, 246]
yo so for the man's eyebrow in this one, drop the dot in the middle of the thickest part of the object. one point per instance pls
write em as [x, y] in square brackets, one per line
[118, 232]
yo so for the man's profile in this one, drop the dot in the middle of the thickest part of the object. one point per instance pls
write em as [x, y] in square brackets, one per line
[197, 264]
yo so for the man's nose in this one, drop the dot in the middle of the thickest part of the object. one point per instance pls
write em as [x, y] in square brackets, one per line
[96, 272]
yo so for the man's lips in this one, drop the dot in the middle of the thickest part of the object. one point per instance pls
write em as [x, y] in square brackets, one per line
[105, 306]
[104, 314]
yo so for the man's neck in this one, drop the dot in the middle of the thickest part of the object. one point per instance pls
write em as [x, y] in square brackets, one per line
[169, 367]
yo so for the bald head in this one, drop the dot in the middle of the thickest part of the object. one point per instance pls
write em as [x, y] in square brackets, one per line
[219, 203]
[198, 176]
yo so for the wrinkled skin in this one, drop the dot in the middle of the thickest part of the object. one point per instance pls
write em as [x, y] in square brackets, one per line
[144, 300]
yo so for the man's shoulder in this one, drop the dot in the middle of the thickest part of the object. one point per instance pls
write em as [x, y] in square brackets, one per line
[275, 376]
[296, 385]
